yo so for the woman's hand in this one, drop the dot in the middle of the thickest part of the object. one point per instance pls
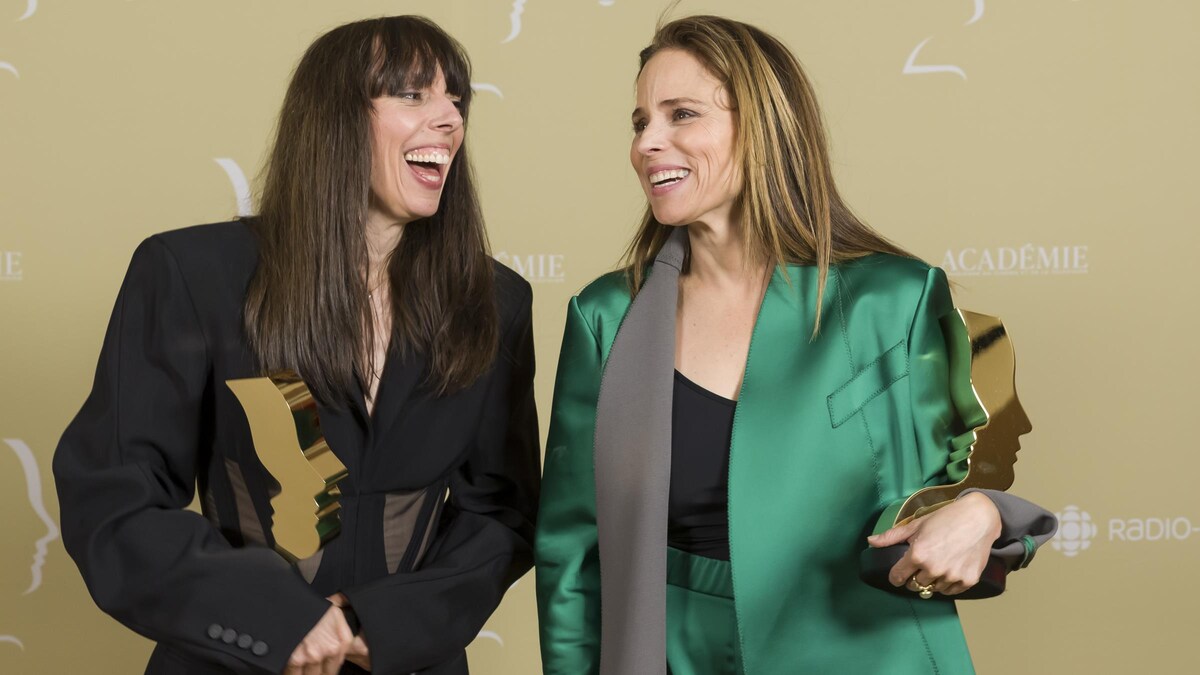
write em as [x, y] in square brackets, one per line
[948, 548]
[358, 654]
[324, 648]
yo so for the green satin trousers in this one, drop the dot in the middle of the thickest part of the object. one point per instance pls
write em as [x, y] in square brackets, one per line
[702, 634]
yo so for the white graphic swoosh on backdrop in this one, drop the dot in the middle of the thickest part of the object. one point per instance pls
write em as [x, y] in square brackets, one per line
[30, 8]
[490, 88]
[978, 13]
[607, 3]
[240, 187]
[491, 635]
[12, 639]
[515, 18]
[5, 65]
[33, 479]
[912, 68]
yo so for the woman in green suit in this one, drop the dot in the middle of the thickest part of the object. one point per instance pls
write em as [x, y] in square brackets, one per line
[731, 412]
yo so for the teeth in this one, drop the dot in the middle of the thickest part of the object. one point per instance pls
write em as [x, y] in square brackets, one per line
[428, 157]
[660, 176]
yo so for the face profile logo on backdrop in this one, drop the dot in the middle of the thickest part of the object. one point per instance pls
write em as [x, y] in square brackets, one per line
[33, 487]
[514, 19]
[30, 9]
[489, 88]
[490, 635]
[241, 187]
[1075, 531]
[32, 476]
[911, 67]
[518, 9]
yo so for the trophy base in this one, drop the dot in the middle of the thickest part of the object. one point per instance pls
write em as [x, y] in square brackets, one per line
[876, 563]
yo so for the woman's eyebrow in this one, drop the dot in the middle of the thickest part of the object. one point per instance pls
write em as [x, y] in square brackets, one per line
[667, 103]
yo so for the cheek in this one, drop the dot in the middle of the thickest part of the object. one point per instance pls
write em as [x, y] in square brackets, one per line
[720, 168]
[380, 152]
[725, 166]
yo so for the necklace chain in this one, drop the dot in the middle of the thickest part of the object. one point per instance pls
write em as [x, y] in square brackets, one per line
[375, 374]
[371, 291]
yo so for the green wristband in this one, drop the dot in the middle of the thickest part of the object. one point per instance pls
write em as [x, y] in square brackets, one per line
[1030, 549]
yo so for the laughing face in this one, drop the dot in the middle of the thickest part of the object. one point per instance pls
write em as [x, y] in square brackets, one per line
[414, 138]
[683, 144]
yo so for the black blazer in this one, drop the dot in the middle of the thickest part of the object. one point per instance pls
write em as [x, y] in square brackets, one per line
[437, 511]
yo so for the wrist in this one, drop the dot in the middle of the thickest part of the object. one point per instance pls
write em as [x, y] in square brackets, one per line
[988, 510]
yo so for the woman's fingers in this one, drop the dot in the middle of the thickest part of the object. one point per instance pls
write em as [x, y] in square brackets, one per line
[904, 569]
[323, 650]
[949, 548]
[333, 665]
[896, 535]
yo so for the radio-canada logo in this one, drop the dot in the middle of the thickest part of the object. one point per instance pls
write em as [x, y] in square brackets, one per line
[1075, 531]
[1030, 259]
[537, 267]
[10, 266]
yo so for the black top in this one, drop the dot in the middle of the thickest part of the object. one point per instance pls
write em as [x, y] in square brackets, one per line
[437, 513]
[701, 430]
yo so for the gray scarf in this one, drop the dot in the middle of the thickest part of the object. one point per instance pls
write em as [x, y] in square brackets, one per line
[633, 473]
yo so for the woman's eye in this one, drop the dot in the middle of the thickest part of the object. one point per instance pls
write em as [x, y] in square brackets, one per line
[639, 126]
[410, 95]
[682, 113]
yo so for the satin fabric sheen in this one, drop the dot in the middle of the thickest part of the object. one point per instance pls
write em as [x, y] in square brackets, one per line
[816, 455]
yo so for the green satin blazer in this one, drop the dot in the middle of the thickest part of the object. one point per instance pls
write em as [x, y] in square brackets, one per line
[827, 433]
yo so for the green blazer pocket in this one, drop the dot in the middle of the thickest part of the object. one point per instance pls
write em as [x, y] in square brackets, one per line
[871, 381]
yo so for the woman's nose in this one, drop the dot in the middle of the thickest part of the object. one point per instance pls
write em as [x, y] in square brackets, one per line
[650, 141]
[447, 116]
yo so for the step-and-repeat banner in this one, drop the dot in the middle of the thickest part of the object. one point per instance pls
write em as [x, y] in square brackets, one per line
[1041, 151]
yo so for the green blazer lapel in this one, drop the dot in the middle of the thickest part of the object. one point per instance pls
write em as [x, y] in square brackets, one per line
[780, 435]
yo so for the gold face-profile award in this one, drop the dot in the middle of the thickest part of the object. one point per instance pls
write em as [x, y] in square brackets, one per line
[288, 440]
[983, 390]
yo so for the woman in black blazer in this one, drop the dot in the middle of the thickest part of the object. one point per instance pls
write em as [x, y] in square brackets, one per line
[367, 272]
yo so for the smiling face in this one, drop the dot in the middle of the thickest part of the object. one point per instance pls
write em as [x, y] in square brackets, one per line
[415, 136]
[683, 144]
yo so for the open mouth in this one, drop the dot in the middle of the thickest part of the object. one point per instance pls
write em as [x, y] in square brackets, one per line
[667, 178]
[429, 164]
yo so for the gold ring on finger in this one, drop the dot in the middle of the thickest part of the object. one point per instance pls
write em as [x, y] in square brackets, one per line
[924, 592]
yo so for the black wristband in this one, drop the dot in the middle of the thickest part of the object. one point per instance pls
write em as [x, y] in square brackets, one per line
[352, 619]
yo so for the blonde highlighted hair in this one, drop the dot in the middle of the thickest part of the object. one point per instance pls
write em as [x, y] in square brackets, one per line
[790, 209]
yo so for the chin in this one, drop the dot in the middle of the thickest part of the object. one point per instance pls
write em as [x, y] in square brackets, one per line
[424, 210]
[668, 218]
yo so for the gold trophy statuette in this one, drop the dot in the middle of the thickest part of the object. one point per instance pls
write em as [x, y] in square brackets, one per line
[983, 389]
[287, 438]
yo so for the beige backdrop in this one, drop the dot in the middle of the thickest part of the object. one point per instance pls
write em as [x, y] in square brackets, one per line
[1041, 151]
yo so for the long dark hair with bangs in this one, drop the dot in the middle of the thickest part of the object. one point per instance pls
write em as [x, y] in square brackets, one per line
[307, 307]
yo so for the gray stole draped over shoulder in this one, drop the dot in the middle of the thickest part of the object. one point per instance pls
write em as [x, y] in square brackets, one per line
[633, 473]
